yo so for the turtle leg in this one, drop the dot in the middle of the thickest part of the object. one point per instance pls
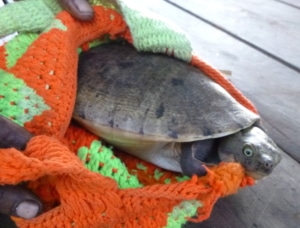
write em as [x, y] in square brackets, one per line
[194, 154]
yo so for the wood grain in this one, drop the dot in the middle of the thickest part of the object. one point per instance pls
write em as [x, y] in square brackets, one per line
[273, 202]
[271, 86]
[291, 3]
[269, 26]
[274, 89]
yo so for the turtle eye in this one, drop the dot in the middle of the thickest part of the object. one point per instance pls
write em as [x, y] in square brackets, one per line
[248, 151]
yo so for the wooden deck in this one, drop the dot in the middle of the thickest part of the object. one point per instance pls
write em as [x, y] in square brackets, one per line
[259, 41]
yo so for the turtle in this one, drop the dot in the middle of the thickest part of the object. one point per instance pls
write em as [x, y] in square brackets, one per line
[168, 112]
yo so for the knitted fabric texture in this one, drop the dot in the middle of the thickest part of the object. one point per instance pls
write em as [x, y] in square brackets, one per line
[81, 182]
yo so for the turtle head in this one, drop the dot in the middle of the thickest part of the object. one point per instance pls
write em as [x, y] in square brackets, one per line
[254, 149]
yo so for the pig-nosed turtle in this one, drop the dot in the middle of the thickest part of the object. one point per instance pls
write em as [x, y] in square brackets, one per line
[168, 113]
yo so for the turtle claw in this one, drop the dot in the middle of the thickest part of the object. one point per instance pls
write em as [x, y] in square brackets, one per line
[13, 135]
[192, 167]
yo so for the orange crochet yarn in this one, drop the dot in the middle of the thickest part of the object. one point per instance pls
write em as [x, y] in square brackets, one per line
[87, 199]
[74, 196]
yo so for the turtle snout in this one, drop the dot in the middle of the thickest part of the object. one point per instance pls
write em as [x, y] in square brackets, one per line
[267, 162]
[268, 165]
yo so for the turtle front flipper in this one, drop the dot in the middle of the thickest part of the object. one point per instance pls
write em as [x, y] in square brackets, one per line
[13, 135]
[194, 155]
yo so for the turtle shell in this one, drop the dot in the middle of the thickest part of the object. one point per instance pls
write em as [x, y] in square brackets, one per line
[153, 97]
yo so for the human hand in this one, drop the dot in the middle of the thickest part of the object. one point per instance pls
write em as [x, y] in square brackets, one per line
[79, 9]
[16, 200]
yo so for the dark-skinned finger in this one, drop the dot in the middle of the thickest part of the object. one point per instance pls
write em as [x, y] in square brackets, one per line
[16, 200]
[13, 135]
[79, 9]
[19, 201]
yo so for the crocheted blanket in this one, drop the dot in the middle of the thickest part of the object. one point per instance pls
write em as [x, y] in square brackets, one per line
[81, 182]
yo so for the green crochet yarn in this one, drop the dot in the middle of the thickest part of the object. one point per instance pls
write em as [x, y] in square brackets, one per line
[17, 100]
[100, 159]
[179, 214]
[152, 33]
[149, 32]
[18, 46]
[27, 16]
[56, 24]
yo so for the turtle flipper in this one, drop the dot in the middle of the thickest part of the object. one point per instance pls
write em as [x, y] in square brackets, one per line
[193, 156]
[13, 135]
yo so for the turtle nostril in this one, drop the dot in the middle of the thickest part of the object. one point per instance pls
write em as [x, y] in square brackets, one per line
[267, 162]
[268, 165]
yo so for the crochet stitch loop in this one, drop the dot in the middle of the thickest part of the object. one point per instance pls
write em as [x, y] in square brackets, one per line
[225, 83]
[72, 195]
[41, 64]
[89, 195]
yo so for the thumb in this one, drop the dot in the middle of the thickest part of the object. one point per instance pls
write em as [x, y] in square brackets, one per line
[79, 9]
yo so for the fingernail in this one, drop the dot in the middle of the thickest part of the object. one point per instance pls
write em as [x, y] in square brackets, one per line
[83, 6]
[27, 209]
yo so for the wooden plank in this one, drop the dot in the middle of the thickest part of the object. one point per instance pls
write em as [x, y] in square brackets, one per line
[272, 87]
[273, 202]
[270, 26]
[291, 3]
